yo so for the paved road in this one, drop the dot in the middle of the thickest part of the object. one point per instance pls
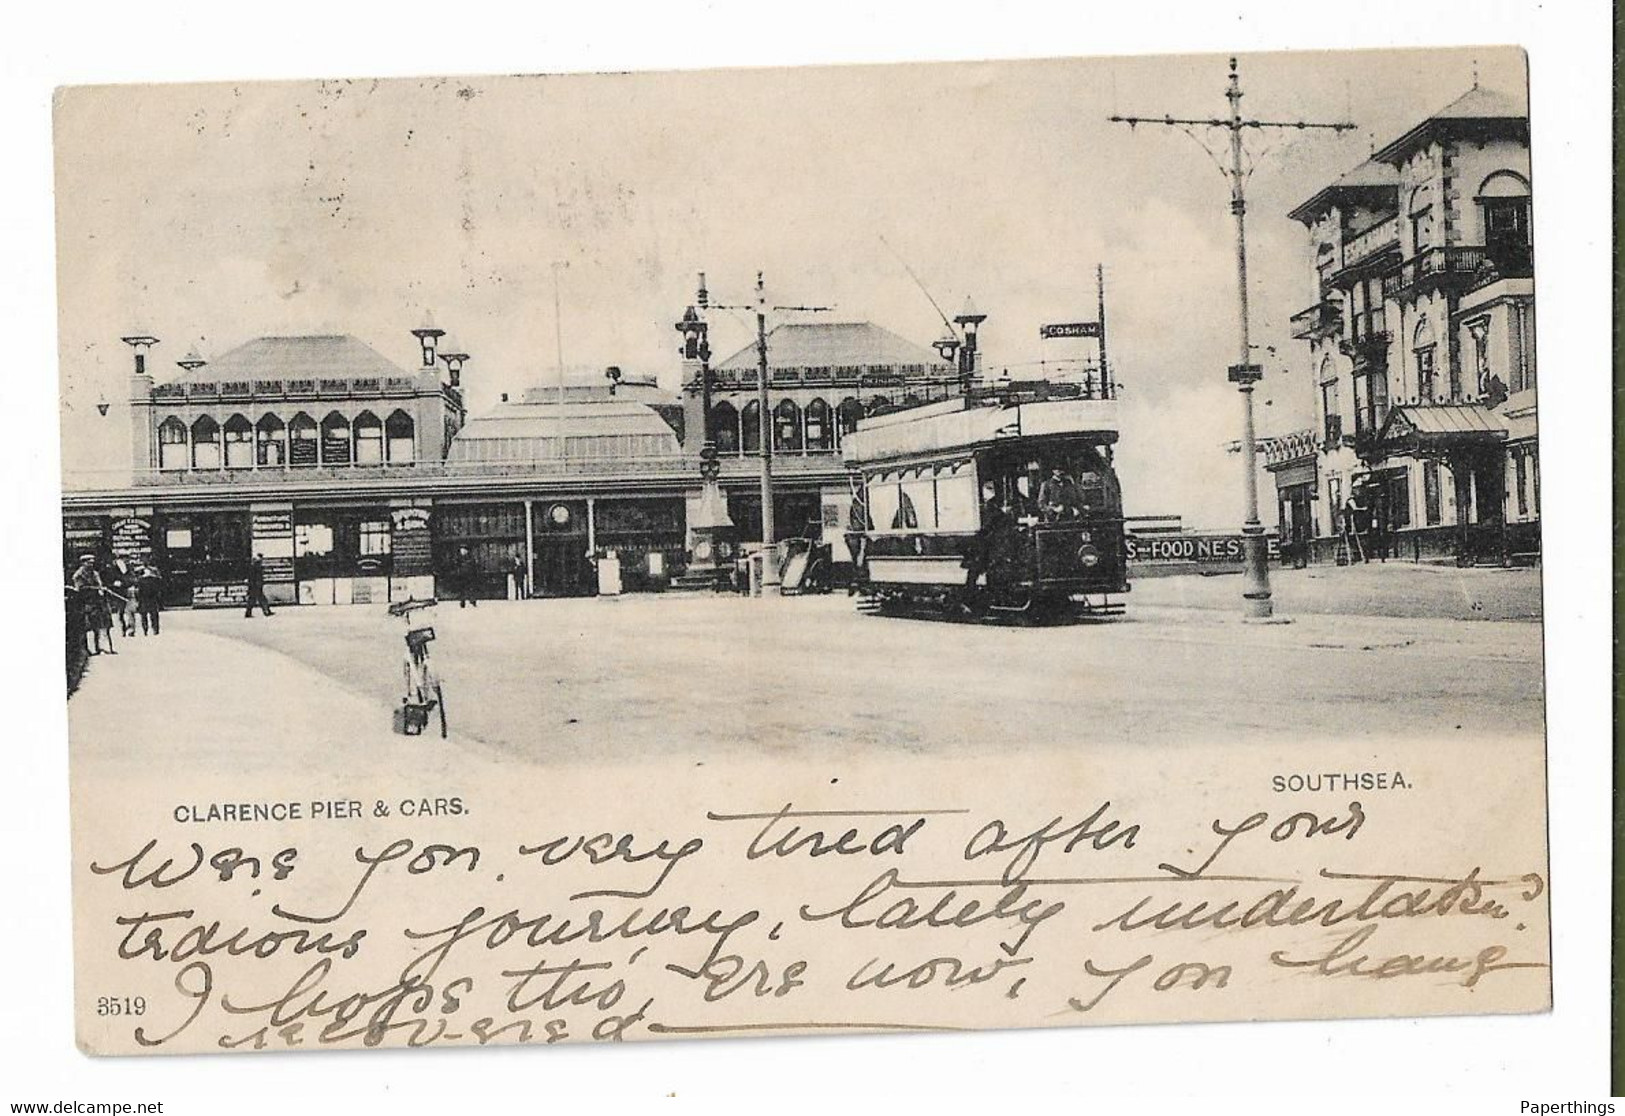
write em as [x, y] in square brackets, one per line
[618, 678]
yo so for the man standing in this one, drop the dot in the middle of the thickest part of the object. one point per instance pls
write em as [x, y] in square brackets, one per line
[150, 598]
[465, 573]
[988, 547]
[256, 588]
[91, 592]
[1058, 497]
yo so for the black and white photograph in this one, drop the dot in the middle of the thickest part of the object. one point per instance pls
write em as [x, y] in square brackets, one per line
[804, 551]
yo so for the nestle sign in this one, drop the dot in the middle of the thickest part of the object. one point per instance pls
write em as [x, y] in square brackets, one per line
[1212, 549]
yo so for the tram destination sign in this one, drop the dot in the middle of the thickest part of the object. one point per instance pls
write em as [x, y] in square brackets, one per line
[1069, 329]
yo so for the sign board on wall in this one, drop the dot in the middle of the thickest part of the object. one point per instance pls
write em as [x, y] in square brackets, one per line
[273, 541]
[219, 595]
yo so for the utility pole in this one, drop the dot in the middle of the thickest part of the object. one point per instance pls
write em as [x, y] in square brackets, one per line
[770, 568]
[1244, 373]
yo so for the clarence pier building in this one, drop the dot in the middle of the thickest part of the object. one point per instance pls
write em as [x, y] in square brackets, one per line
[357, 479]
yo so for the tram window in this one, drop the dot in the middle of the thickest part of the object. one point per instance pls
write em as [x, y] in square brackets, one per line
[919, 498]
[884, 502]
[957, 498]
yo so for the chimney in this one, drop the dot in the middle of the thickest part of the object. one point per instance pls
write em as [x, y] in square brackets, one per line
[454, 365]
[427, 337]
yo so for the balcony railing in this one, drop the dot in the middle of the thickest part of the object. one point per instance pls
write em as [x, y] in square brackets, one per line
[1460, 267]
[261, 389]
[1324, 317]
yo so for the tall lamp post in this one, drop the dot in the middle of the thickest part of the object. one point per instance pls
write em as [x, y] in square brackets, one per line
[770, 568]
[1257, 603]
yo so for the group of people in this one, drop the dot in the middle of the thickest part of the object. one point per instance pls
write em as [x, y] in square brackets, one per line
[130, 590]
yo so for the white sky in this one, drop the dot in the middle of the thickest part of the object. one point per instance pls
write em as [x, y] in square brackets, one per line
[210, 214]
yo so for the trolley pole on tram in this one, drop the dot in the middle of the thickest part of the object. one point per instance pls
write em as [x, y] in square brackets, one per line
[1244, 373]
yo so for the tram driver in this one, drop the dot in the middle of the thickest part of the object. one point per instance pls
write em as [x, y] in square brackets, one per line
[1058, 497]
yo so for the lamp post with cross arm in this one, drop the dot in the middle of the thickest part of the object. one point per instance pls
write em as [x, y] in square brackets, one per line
[1244, 373]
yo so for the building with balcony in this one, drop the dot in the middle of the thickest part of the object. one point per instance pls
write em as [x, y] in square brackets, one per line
[1421, 345]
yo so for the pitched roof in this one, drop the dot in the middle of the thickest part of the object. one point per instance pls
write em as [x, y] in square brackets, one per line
[318, 356]
[1371, 179]
[831, 344]
[1478, 109]
[574, 420]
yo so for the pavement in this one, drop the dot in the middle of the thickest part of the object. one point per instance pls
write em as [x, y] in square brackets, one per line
[612, 679]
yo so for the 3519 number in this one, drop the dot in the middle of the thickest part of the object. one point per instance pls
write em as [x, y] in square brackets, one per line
[121, 1005]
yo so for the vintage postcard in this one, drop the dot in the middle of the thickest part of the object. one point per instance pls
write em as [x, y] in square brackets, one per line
[630, 556]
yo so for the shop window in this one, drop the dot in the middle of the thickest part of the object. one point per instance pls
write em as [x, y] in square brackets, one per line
[303, 441]
[205, 443]
[369, 439]
[787, 427]
[270, 442]
[374, 538]
[239, 443]
[172, 452]
[312, 539]
[335, 440]
[820, 436]
[402, 434]
[1432, 495]
[725, 427]
[750, 427]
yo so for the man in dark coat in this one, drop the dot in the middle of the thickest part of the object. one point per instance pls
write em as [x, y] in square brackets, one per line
[256, 588]
[987, 548]
[466, 573]
[91, 592]
[150, 598]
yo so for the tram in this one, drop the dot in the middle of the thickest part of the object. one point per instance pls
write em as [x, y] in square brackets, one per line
[1002, 502]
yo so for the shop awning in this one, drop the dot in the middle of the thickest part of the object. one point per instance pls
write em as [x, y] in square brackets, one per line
[1439, 427]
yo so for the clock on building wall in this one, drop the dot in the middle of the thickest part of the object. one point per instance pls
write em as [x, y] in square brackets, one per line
[559, 514]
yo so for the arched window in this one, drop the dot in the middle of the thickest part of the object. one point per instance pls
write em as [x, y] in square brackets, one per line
[725, 427]
[335, 439]
[172, 444]
[302, 441]
[1503, 198]
[750, 428]
[1422, 344]
[239, 443]
[270, 442]
[401, 432]
[787, 427]
[1331, 407]
[820, 434]
[205, 443]
[847, 415]
[369, 439]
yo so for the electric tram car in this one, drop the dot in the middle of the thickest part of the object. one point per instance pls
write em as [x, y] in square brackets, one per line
[1000, 503]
